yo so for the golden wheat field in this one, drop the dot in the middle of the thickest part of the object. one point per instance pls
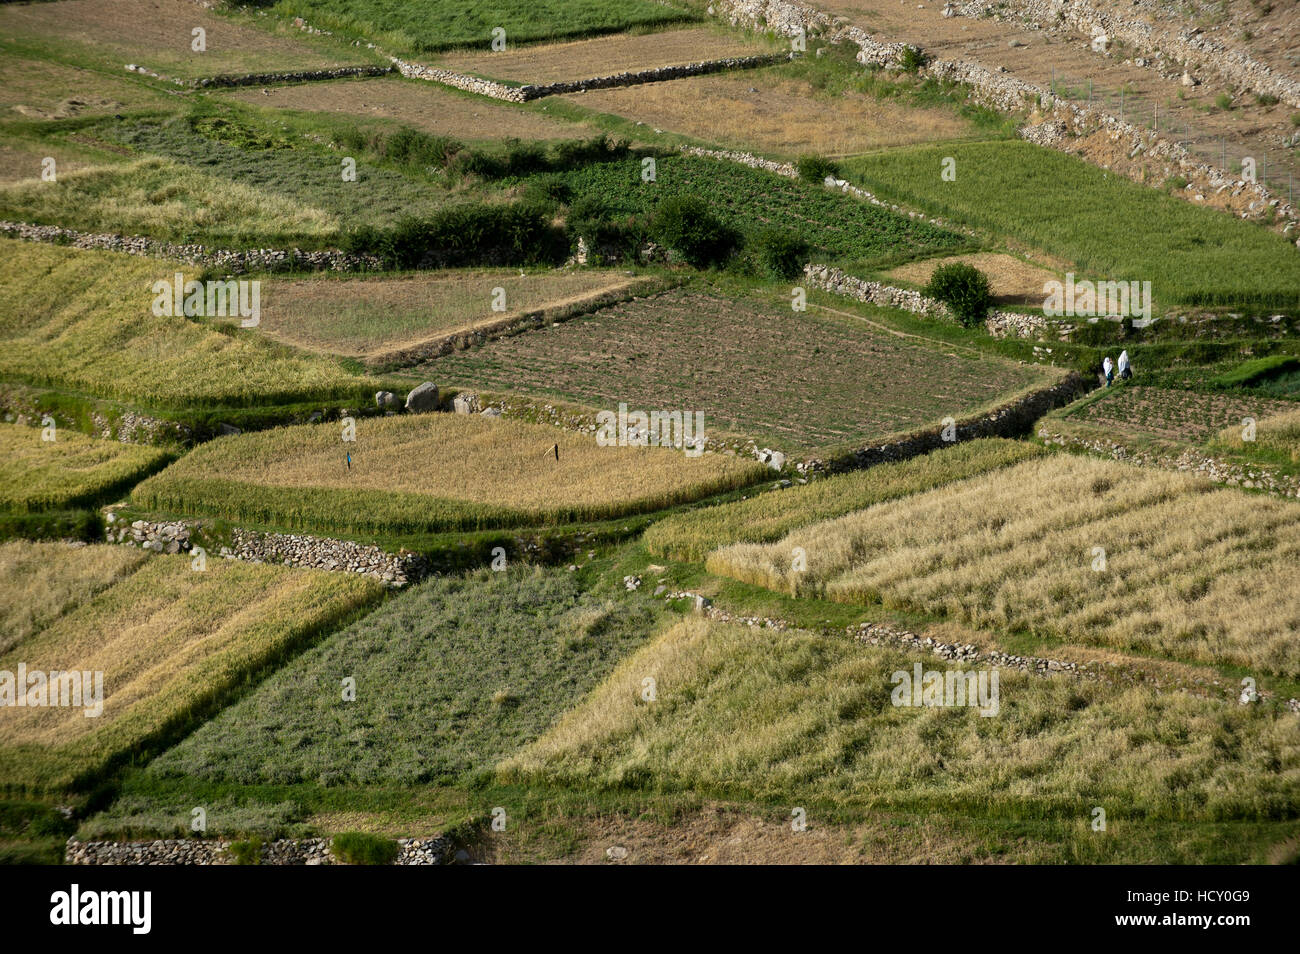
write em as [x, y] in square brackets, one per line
[168, 639]
[433, 472]
[795, 716]
[1278, 434]
[1093, 551]
[69, 469]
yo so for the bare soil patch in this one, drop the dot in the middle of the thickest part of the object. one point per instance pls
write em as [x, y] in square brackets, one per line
[371, 316]
[759, 109]
[1012, 280]
[157, 34]
[424, 106]
[604, 56]
[1176, 415]
[753, 367]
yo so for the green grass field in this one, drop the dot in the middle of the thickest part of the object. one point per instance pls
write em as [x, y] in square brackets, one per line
[451, 676]
[443, 24]
[171, 644]
[1108, 226]
[69, 471]
[838, 228]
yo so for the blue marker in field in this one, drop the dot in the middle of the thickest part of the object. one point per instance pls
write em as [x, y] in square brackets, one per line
[349, 460]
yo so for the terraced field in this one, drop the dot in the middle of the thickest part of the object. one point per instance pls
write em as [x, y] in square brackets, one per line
[1090, 551]
[374, 317]
[67, 470]
[432, 474]
[168, 643]
[802, 381]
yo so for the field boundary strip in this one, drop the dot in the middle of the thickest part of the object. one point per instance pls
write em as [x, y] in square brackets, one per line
[525, 93]
[225, 80]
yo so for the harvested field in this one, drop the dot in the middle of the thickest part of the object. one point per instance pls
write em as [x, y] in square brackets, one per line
[1019, 550]
[605, 56]
[1278, 435]
[20, 162]
[432, 473]
[367, 318]
[789, 717]
[71, 470]
[157, 34]
[170, 643]
[1174, 415]
[420, 105]
[477, 666]
[1012, 281]
[759, 109]
[39, 89]
[802, 381]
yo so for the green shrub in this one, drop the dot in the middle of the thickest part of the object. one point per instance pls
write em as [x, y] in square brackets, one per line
[414, 148]
[548, 190]
[1266, 99]
[964, 289]
[605, 231]
[246, 852]
[467, 234]
[571, 153]
[1223, 101]
[780, 253]
[814, 168]
[685, 225]
[358, 848]
[911, 59]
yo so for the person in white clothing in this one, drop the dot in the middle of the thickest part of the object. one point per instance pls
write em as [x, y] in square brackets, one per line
[1108, 368]
[1125, 372]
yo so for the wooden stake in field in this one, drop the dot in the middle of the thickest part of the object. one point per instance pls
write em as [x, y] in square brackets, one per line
[556, 449]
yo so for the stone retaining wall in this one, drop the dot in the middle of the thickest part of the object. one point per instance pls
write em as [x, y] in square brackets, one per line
[298, 76]
[1184, 47]
[525, 93]
[1058, 119]
[201, 851]
[229, 261]
[999, 324]
[291, 549]
[1011, 420]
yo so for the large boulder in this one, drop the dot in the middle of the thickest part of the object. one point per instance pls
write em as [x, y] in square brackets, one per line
[423, 398]
[466, 402]
[385, 399]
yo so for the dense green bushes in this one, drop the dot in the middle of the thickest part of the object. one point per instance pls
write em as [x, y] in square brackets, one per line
[467, 234]
[359, 848]
[685, 225]
[964, 289]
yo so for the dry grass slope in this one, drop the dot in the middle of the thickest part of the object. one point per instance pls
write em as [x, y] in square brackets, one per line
[790, 715]
[1189, 572]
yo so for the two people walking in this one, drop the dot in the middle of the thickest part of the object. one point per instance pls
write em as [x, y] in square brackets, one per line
[1109, 368]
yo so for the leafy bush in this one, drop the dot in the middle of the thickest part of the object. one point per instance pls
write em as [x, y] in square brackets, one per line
[246, 852]
[1223, 101]
[604, 230]
[814, 168]
[685, 225]
[414, 148]
[911, 59]
[547, 190]
[571, 153]
[964, 289]
[780, 253]
[358, 848]
[468, 234]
